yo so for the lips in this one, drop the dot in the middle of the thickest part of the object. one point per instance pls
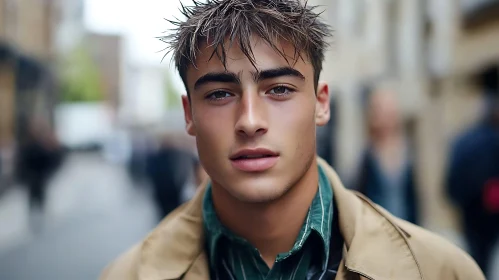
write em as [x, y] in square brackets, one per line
[254, 160]
[252, 156]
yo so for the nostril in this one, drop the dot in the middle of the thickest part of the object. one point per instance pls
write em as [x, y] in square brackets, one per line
[251, 131]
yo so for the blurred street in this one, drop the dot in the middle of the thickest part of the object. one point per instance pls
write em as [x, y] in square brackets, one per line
[414, 102]
[93, 213]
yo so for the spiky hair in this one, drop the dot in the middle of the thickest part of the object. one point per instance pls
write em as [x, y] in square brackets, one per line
[222, 23]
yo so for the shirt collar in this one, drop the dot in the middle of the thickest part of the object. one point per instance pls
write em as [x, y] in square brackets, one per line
[321, 212]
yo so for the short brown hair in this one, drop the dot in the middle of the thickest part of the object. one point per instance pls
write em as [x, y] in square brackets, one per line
[216, 21]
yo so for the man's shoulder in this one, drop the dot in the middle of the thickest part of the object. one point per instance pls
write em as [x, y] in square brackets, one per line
[170, 247]
[407, 244]
[438, 256]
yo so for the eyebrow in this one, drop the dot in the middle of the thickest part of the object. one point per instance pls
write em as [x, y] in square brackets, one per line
[276, 73]
[258, 76]
[214, 77]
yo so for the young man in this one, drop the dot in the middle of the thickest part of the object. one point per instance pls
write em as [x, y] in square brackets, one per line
[272, 209]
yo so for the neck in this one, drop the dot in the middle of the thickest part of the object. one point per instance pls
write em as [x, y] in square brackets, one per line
[271, 227]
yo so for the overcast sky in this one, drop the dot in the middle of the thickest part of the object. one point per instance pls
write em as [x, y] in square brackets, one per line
[139, 22]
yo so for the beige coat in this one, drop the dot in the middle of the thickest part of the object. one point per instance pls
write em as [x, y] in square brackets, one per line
[377, 246]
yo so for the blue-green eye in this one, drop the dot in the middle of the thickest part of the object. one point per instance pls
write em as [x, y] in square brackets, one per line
[280, 90]
[217, 95]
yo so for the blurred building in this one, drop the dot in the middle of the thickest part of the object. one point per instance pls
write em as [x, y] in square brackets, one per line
[106, 50]
[144, 101]
[429, 52]
[31, 37]
[70, 29]
[96, 60]
[25, 80]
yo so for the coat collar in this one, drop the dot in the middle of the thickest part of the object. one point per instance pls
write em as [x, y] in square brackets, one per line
[171, 248]
[376, 247]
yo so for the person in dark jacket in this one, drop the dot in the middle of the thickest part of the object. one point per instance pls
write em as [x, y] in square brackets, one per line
[386, 173]
[169, 169]
[473, 176]
[39, 158]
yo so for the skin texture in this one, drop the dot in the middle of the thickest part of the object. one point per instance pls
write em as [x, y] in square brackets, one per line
[243, 112]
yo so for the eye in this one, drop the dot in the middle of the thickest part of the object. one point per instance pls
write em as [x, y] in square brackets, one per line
[218, 95]
[280, 91]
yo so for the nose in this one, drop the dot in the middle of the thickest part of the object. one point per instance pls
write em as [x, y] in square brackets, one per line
[251, 116]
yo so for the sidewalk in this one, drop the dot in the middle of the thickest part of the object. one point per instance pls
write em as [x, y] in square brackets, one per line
[13, 218]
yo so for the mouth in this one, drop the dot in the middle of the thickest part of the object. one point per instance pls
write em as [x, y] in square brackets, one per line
[254, 160]
[251, 157]
[253, 154]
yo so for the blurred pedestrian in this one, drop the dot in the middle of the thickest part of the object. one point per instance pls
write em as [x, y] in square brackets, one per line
[169, 169]
[39, 157]
[473, 177]
[198, 177]
[272, 209]
[386, 173]
[142, 146]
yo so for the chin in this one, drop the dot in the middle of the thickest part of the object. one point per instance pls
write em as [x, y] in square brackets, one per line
[258, 191]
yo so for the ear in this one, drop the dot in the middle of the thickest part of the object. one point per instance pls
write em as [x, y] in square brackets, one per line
[322, 108]
[189, 125]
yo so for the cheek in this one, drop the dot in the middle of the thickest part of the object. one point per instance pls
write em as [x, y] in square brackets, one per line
[295, 121]
[213, 128]
[214, 139]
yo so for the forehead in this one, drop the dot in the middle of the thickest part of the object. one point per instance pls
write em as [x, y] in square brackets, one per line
[265, 57]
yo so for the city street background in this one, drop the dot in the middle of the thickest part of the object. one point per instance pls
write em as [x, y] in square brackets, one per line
[93, 214]
[93, 142]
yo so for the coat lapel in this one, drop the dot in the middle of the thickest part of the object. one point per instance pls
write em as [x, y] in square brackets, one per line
[376, 247]
[199, 269]
[178, 242]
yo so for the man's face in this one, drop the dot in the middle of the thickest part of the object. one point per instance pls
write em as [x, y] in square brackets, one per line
[254, 127]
